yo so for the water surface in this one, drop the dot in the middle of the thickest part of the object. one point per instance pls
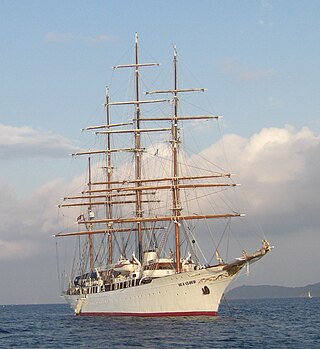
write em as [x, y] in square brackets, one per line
[273, 323]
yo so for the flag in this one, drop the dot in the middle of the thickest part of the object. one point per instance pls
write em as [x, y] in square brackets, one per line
[80, 218]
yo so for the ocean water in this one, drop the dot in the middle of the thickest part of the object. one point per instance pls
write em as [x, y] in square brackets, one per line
[276, 323]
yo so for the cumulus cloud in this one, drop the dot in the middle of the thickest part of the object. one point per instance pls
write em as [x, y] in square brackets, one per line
[69, 37]
[26, 142]
[278, 169]
[234, 68]
[26, 224]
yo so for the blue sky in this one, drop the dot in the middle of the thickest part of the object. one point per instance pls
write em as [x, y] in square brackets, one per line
[259, 61]
[57, 55]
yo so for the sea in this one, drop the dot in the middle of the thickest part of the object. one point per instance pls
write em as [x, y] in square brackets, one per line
[267, 323]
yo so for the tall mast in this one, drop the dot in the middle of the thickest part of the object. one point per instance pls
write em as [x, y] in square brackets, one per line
[137, 136]
[175, 148]
[109, 170]
[138, 150]
[91, 216]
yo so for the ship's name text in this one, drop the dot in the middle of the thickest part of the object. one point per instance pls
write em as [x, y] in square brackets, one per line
[187, 283]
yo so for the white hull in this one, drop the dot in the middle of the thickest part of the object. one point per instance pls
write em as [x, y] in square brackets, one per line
[177, 295]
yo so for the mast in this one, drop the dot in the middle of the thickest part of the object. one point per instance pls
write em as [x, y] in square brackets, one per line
[175, 141]
[108, 186]
[137, 139]
[138, 150]
[91, 217]
[175, 148]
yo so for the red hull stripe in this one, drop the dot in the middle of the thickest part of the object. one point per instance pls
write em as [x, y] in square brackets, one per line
[184, 313]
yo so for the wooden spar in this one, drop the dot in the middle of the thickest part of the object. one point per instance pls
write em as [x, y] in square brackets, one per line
[105, 231]
[138, 102]
[175, 91]
[120, 189]
[180, 186]
[105, 151]
[105, 126]
[137, 130]
[104, 195]
[160, 187]
[109, 203]
[162, 179]
[163, 218]
[99, 196]
[135, 65]
[170, 118]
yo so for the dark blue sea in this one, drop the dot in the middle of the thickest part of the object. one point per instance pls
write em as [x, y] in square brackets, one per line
[276, 323]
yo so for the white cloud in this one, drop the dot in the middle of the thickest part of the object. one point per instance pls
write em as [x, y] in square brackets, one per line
[27, 224]
[278, 169]
[26, 142]
[277, 155]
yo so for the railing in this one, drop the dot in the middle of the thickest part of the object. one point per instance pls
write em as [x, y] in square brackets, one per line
[75, 290]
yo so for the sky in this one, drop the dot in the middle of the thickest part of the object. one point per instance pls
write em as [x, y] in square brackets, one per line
[259, 61]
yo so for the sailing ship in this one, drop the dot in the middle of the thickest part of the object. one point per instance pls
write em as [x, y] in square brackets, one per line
[306, 295]
[140, 225]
